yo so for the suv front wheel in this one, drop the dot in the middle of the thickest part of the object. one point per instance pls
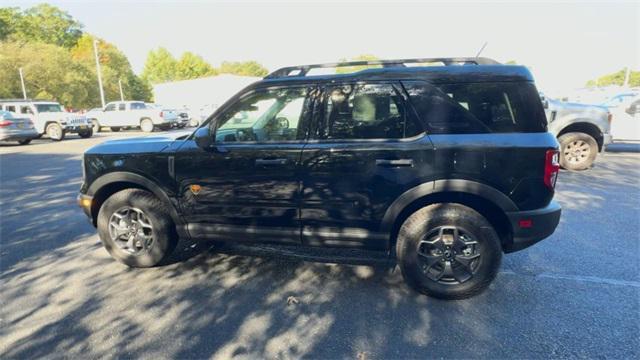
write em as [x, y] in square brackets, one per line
[448, 251]
[136, 228]
[55, 132]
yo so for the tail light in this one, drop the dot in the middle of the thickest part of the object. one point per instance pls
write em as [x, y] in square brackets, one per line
[5, 123]
[551, 168]
[161, 113]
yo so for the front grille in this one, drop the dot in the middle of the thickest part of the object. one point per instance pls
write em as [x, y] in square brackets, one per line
[77, 121]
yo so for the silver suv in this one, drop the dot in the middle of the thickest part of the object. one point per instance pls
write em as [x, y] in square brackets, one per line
[582, 131]
[49, 117]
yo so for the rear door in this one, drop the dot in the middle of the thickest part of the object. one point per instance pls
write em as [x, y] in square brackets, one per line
[366, 149]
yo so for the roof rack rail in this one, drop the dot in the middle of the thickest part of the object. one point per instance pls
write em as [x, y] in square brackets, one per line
[302, 70]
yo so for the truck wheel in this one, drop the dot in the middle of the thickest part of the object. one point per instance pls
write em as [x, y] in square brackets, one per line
[577, 151]
[55, 132]
[136, 228]
[95, 125]
[146, 125]
[24, 142]
[114, 129]
[86, 134]
[448, 251]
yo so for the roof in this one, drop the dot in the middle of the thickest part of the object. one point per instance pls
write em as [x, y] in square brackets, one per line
[434, 74]
[28, 101]
[465, 69]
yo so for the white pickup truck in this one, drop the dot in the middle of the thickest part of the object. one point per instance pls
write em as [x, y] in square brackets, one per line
[132, 114]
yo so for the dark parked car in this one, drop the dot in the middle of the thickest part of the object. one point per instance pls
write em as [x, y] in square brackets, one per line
[440, 168]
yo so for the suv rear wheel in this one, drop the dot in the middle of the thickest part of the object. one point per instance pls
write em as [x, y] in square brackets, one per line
[136, 228]
[448, 251]
[577, 150]
[55, 132]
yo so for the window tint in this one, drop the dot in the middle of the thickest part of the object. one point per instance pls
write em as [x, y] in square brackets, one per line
[25, 110]
[269, 115]
[11, 108]
[122, 107]
[478, 107]
[137, 106]
[110, 107]
[365, 111]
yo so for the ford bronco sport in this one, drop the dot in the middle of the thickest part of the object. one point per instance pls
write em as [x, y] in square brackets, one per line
[440, 168]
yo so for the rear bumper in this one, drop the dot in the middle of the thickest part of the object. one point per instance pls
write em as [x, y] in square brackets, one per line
[16, 135]
[531, 226]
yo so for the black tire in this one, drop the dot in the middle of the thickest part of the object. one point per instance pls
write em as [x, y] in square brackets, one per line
[164, 233]
[95, 125]
[86, 134]
[472, 226]
[578, 151]
[55, 132]
[24, 142]
[114, 129]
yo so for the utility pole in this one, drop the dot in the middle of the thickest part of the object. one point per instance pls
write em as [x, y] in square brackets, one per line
[95, 51]
[24, 90]
[627, 74]
[121, 93]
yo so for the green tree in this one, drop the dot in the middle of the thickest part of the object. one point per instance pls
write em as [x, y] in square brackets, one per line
[245, 68]
[192, 66]
[41, 23]
[350, 69]
[49, 72]
[616, 78]
[160, 66]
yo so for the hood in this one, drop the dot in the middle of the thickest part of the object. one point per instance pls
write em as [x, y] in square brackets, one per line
[59, 116]
[576, 107]
[136, 145]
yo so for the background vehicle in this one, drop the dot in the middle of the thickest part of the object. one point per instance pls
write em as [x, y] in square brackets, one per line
[13, 128]
[582, 130]
[49, 118]
[132, 114]
[625, 122]
[440, 168]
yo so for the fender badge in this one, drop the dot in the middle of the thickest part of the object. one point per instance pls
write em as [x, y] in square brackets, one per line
[195, 188]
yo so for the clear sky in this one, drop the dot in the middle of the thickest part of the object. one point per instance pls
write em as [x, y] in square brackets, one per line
[564, 44]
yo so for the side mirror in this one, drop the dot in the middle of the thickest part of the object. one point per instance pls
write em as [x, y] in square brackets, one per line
[545, 103]
[204, 138]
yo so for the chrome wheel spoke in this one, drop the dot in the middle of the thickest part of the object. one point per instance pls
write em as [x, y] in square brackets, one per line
[131, 230]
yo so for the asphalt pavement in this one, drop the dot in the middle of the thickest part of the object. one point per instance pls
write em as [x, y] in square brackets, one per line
[576, 294]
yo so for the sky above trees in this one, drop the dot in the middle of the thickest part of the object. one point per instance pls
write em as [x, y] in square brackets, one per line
[565, 44]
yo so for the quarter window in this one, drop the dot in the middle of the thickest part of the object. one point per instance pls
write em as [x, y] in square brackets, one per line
[365, 111]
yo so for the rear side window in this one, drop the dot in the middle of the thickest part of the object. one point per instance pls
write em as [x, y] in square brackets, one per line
[366, 111]
[122, 106]
[478, 107]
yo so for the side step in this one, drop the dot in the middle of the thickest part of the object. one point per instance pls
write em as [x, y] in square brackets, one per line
[308, 253]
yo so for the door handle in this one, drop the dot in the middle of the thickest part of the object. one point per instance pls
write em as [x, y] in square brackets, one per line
[271, 161]
[395, 163]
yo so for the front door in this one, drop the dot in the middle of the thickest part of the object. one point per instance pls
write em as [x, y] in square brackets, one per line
[248, 187]
[366, 149]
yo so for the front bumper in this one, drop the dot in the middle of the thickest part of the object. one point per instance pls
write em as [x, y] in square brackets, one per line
[532, 226]
[76, 128]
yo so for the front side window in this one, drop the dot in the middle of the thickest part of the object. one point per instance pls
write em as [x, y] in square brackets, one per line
[42, 108]
[269, 115]
[138, 106]
[365, 111]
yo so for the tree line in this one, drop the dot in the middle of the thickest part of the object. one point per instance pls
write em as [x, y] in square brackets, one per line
[58, 63]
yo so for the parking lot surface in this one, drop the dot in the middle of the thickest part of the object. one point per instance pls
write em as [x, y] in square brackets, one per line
[576, 294]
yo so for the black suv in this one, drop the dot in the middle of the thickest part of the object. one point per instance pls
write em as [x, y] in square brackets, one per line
[440, 168]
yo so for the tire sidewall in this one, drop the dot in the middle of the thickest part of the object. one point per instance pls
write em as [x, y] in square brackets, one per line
[417, 226]
[59, 130]
[144, 122]
[163, 231]
[567, 138]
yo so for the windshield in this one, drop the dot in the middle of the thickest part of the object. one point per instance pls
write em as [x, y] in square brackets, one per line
[49, 108]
